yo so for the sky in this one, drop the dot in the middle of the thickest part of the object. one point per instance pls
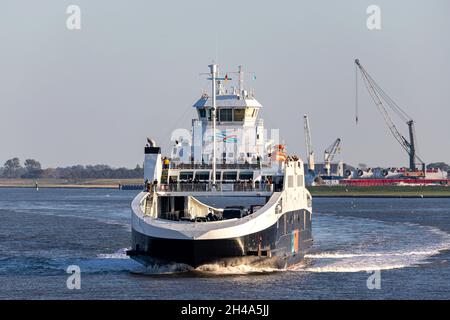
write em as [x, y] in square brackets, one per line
[93, 95]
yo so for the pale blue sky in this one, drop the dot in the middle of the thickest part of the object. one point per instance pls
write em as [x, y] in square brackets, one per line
[93, 95]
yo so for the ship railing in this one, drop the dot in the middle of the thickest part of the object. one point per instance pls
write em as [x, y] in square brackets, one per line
[219, 166]
[181, 216]
[221, 187]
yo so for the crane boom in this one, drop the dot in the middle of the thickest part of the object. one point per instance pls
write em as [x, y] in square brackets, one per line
[308, 144]
[329, 154]
[378, 96]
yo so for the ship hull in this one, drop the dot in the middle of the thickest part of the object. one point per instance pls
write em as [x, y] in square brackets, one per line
[280, 245]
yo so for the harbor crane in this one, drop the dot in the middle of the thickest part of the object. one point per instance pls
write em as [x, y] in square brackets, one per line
[381, 100]
[329, 154]
[308, 144]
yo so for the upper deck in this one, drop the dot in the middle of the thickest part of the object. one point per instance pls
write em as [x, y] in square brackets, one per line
[242, 189]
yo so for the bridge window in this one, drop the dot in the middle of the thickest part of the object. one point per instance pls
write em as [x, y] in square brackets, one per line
[246, 175]
[186, 175]
[229, 175]
[202, 175]
[209, 113]
[238, 114]
[226, 114]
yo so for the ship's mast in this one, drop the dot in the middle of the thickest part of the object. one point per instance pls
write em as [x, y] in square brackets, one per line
[213, 69]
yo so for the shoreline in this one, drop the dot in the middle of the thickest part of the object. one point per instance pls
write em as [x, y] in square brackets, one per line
[417, 192]
[376, 196]
[61, 186]
[68, 184]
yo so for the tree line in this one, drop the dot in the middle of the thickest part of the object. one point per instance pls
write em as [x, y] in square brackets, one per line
[32, 169]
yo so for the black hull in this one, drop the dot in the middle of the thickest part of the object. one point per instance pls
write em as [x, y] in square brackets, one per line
[282, 244]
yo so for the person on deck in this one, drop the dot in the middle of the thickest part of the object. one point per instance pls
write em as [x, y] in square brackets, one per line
[166, 163]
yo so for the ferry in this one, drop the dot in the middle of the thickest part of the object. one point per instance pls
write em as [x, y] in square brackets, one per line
[228, 193]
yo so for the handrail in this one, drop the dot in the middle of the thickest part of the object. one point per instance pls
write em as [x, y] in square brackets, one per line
[195, 166]
[207, 187]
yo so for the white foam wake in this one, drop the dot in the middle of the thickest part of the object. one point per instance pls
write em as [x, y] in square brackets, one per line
[337, 255]
[240, 269]
[390, 246]
[162, 269]
[119, 254]
[419, 244]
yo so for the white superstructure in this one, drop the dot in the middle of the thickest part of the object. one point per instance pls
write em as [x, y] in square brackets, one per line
[227, 154]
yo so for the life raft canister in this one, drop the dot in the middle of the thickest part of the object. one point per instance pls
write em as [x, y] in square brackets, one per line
[279, 153]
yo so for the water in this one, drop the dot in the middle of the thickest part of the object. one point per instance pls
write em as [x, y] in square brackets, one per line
[42, 233]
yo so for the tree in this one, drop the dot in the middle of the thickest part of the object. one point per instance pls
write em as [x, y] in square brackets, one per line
[32, 165]
[12, 164]
[11, 168]
[33, 169]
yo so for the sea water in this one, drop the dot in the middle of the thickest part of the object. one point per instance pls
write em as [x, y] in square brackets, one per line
[42, 233]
